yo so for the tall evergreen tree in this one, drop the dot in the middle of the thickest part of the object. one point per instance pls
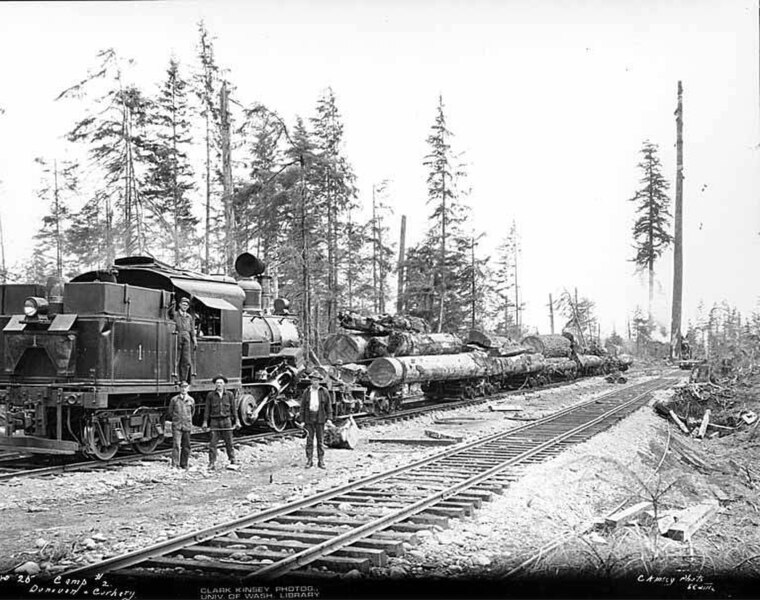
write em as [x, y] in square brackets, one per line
[88, 239]
[650, 230]
[170, 179]
[59, 183]
[446, 235]
[382, 246]
[114, 131]
[338, 195]
[206, 88]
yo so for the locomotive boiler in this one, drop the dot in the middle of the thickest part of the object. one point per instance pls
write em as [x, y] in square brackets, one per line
[88, 366]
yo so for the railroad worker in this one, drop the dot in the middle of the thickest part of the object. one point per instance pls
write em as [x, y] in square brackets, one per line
[180, 413]
[221, 417]
[187, 341]
[316, 410]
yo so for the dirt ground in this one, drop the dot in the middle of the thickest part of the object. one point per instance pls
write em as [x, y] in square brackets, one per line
[69, 520]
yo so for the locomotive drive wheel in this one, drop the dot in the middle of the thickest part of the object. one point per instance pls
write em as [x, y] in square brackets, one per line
[278, 415]
[147, 447]
[96, 446]
[247, 410]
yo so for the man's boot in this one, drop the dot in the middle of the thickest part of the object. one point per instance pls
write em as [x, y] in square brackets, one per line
[321, 464]
[309, 464]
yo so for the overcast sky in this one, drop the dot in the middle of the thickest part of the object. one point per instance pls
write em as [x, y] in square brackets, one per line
[549, 101]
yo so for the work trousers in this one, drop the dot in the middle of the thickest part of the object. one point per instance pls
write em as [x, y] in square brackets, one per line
[315, 431]
[222, 427]
[180, 448]
[185, 356]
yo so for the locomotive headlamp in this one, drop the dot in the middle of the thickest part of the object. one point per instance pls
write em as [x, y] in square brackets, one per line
[35, 307]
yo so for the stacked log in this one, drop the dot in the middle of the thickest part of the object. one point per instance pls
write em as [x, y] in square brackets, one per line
[388, 372]
[561, 367]
[589, 362]
[551, 346]
[403, 323]
[344, 348]
[377, 347]
[497, 345]
[382, 324]
[406, 343]
[357, 322]
[487, 340]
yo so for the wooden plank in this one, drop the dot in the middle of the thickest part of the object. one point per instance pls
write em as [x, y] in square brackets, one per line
[678, 422]
[623, 516]
[705, 423]
[413, 441]
[690, 520]
[504, 408]
[441, 435]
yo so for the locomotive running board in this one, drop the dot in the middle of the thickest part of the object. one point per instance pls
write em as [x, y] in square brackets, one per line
[35, 444]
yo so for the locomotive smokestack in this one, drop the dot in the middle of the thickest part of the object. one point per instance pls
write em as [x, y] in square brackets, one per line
[247, 266]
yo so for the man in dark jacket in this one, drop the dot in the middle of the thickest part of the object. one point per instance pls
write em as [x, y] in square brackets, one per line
[316, 410]
[221, 416]
[186, 340]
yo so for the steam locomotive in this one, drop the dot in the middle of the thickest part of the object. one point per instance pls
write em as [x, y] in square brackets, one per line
[88, 366]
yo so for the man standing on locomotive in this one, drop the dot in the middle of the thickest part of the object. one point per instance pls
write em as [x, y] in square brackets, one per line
[187, 341]
[180, 413]
[221, 416]
[316, 410]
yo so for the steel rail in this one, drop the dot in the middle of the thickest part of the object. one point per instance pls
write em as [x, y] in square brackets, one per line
[165, 547]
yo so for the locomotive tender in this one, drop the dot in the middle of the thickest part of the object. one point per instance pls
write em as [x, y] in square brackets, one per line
[88, 366]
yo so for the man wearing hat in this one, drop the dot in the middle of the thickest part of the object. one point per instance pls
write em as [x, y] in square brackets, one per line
[186, 340]
[220, 415]
[316, 410]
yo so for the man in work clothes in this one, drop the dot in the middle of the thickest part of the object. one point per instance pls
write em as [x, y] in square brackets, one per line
[220, 415]
[180, 413]
[186, 340]
[316, 410]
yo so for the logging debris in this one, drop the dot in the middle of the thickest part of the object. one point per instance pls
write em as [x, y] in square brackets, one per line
[701, 409]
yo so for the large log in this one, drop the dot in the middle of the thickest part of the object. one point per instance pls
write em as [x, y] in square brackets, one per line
[382, 324]
[551, 346]
[357, 322]
[561, 367]
[497, 345]
[406, 343]
[485, 339]
[404, 323]
[344, 348]
[589, 361]
[391, 371]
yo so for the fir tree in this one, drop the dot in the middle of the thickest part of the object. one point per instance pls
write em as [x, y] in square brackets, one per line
[337, 194]
[170, 178]
[382, 247]
[650, 230]
[114, 132]
[59, 183]
[206, 88]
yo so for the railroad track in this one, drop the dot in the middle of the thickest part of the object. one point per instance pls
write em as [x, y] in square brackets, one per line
[360, 524]
[16, 466]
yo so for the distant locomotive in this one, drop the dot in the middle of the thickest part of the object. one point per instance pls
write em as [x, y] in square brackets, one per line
[88, 366]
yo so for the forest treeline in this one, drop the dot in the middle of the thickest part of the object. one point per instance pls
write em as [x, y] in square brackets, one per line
[192, 174]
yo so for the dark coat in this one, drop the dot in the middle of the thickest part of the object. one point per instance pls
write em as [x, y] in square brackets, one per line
[325, 407]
